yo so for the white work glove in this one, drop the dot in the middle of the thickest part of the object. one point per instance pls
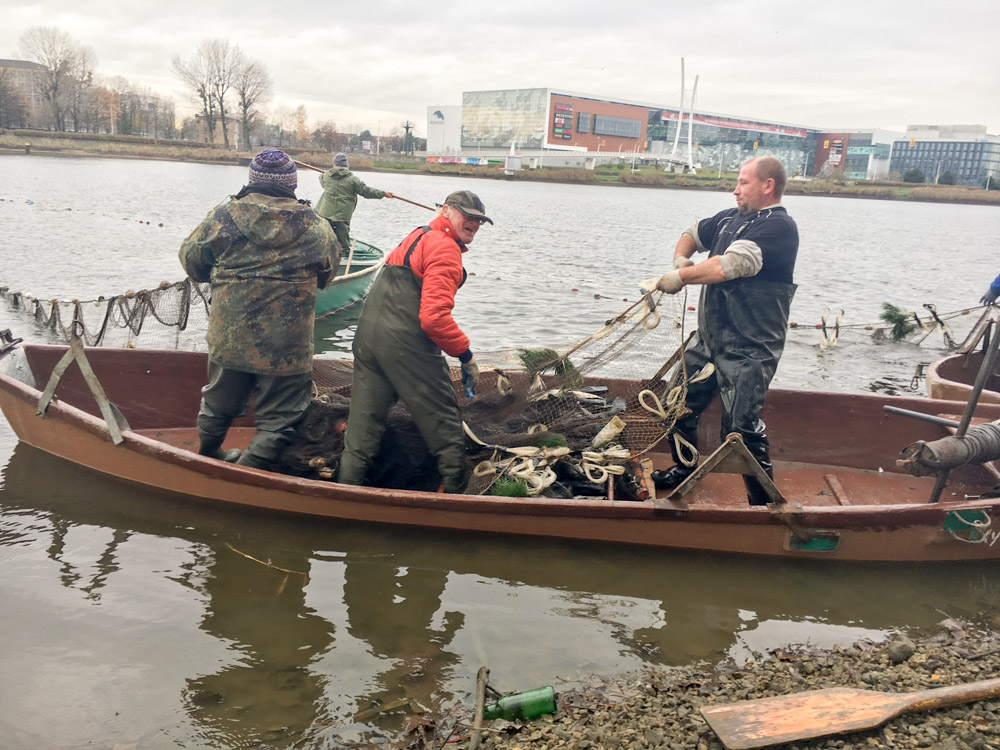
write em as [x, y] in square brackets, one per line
[670, 282]
[470, 376]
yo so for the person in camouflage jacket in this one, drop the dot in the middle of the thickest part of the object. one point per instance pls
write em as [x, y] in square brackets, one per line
[341, 189]
[265, 254]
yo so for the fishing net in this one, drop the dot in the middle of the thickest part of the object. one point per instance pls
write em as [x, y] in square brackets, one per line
[172, 316]
[944, 330]
[566, 421]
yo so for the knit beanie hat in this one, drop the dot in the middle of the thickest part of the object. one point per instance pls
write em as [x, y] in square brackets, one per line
[340, 160]
[274, 166]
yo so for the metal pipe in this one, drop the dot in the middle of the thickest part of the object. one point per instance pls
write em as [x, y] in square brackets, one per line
[970, 408]
[921, 416]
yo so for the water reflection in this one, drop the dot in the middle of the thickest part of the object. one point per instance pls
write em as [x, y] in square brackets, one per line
[268, 691]
[335, 332]
[225, 628]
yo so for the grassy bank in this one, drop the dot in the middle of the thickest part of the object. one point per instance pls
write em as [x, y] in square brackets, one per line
[607, 174]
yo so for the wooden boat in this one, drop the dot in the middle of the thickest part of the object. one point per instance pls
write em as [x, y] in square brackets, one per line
[952, 378]
[353, 280]
[844, 497]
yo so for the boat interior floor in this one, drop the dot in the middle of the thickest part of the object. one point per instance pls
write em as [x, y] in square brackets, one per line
[811, 485]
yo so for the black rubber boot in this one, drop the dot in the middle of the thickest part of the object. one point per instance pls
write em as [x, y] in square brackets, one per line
[212, 447]
[758, 447]
[672, 477]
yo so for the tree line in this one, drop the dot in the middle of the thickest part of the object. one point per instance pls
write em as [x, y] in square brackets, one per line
[223, 82]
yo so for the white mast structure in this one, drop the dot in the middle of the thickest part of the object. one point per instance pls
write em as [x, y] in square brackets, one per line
[680, 124]
[680, 115]
[691, 125]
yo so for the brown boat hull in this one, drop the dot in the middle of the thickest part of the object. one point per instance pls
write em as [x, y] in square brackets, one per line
[952, 379]
[868, 512]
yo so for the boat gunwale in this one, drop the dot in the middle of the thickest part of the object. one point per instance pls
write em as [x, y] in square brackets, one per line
[363, 272]
[936, 381]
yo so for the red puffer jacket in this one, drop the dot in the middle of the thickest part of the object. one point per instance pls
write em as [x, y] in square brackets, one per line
[437, 262]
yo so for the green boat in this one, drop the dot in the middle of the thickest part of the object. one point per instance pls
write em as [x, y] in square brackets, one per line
[353, 280]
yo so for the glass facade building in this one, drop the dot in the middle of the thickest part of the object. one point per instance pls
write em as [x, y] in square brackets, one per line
[497, 119]
[970, 162]
[724, 142]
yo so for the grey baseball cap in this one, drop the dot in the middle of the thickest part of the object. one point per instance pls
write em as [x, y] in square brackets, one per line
[468, 203]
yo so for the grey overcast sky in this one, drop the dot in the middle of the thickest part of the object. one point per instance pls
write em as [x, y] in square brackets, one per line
[851, 65]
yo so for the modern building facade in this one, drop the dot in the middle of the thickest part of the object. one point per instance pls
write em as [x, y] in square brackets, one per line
[551, 119]
[22, 79]
[444, 129]
[856, 154]
[725, 141]
[583, 128]
[966, 152]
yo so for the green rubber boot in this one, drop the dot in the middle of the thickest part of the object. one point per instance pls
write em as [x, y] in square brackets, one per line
[212, 447]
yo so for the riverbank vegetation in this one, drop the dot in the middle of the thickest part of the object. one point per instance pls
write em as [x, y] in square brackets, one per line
[623, 173]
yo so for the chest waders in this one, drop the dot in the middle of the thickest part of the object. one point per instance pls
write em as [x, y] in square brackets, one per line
[742, 325]
[395, 360]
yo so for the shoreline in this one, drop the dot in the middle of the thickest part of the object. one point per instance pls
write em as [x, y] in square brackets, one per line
[659, 707]
[925, 193]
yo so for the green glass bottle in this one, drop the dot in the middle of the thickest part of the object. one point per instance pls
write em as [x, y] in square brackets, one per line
[527, 705]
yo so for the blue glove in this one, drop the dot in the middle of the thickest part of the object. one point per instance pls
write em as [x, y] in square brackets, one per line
[470, 377]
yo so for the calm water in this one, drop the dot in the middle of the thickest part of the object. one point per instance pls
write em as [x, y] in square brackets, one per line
[134, 620]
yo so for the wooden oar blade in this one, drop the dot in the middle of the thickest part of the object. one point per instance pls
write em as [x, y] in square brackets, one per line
[787, 718]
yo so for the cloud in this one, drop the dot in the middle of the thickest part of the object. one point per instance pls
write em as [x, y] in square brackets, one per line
[860, 64]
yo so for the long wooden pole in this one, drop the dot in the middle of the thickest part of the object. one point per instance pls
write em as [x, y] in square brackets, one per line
[308, 166]
[405, 200]
[477, 719]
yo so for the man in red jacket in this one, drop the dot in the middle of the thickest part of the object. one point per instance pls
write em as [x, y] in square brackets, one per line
[405, 325]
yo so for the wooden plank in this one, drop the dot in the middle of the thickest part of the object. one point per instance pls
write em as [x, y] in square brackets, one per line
[839, 494]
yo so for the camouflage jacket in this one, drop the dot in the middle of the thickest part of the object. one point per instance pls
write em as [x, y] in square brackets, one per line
[265, 258]
[341, 189]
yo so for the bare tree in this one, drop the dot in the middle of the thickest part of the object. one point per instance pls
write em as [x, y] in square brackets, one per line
[301, 119]
[195, 76]
[210, 76]
[107, 107]
[252, 85]
[282, 124]
[326, 135]
[80, 89]
[60, 55]
[223, 59]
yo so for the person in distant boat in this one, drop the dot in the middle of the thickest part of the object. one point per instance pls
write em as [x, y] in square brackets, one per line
[992, 293]
[266, 254]
[341, 189]
[405, 324]
[742, 316]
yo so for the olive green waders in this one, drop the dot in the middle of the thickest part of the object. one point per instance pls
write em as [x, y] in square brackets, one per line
[343, 231]
[280, 402]
[394, 359]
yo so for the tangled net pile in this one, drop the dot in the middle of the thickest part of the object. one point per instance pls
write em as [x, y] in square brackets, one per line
[568, 422]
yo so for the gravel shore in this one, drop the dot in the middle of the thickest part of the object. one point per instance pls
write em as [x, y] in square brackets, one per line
[659, 708]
